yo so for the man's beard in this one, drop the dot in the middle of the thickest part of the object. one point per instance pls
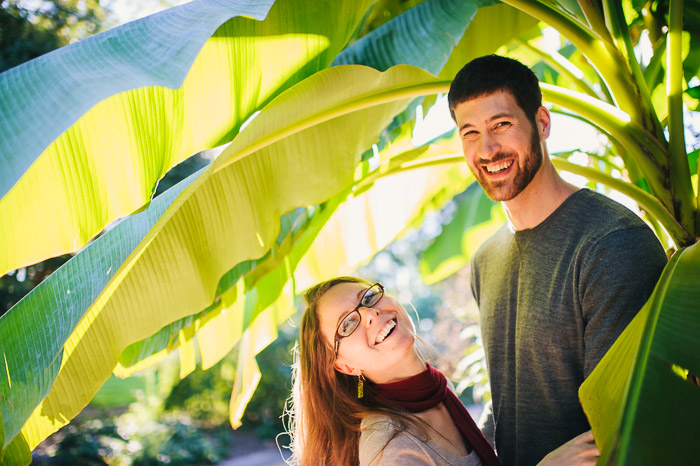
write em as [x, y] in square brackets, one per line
[505, 190]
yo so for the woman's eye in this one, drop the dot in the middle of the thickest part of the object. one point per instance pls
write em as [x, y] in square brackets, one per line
[349, 323]
[371, 298]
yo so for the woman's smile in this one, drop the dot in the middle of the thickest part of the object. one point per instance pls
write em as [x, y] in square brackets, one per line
[386, 330]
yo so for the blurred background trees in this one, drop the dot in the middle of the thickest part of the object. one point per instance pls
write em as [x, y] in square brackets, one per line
[29, 28]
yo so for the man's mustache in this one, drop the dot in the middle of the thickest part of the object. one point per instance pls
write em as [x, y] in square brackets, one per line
[497, 158]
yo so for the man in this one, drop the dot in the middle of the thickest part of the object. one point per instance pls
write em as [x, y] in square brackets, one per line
[560, 281]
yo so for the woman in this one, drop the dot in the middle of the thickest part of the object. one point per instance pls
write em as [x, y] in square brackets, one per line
[363, 393]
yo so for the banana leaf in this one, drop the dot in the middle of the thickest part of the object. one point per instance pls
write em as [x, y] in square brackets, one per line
[228, 214]
[643, 398]
[410, 39]
[117, 110]
[33, 332]
[430, 53]
[378, 212]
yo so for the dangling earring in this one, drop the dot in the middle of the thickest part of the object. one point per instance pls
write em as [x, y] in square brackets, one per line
[360, 386]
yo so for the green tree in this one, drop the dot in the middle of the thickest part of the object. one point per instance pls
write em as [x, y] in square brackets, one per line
[299, 194]
[26, 33]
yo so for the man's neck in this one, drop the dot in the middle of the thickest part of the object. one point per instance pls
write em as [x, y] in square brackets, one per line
[545, 193]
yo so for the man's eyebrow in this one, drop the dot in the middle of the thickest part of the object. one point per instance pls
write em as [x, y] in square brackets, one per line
[465, 125]
[501, 115]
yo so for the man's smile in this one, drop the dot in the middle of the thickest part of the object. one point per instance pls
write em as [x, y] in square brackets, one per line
[498, 167]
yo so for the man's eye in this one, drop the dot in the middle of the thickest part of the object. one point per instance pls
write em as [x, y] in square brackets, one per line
[502, 124]
[469, 134]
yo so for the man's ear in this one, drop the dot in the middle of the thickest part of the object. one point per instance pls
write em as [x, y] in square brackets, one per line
[345, 369]
[543, 120]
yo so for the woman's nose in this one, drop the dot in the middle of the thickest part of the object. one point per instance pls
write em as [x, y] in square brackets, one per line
[371, 314]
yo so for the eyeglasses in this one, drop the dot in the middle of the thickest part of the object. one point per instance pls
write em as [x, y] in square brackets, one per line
[352, 320]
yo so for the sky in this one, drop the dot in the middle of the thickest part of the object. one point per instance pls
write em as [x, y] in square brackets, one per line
[129, 10]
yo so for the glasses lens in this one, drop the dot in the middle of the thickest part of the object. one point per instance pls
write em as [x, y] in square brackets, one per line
[349, 324]
[372, 296]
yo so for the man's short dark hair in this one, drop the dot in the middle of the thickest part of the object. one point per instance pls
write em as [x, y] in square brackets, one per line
[491, 73]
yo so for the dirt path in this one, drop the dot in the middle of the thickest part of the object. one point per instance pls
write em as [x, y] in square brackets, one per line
[248, 450]
[261, 458]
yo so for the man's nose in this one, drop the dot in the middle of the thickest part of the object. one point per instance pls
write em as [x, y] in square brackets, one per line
[488, 147]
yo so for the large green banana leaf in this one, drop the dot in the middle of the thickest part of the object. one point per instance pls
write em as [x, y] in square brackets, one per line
[53, 91]
[154, 348]
[161, 99]
[411, 37]
[479, 38]
[297, 152]
[643, 398]
[429, 53]
[34, 331]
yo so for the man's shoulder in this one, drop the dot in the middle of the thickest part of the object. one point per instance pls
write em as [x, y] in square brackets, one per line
[602, 214]
[610, 229]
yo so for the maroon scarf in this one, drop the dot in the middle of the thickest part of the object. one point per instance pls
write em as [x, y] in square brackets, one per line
[428, 389]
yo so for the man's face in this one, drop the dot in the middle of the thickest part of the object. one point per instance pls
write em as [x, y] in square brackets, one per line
[502, 148]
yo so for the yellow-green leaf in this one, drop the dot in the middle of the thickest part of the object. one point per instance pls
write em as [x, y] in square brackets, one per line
[300, 150]
[106, 164]
[642, 399]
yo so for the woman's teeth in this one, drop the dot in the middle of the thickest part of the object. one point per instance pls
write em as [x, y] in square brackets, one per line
[388, 327]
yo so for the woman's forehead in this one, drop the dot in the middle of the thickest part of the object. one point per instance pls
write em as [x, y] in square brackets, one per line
[343, 294]
[338, 300]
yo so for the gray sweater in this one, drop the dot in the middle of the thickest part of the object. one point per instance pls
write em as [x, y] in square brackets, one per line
[552, 300]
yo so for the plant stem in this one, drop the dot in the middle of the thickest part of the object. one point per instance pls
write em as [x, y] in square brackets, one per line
[640, 145]
[682, 190]
[601, 52]
[617, 25]
[590, 11]
[563, 66]
[646, 201]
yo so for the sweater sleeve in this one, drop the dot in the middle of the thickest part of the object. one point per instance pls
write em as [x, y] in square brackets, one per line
[617, 278]
[486, 423]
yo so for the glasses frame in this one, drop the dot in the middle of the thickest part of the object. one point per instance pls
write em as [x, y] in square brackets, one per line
[338, 336]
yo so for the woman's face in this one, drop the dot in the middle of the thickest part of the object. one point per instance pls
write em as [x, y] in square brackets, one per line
[367, 351]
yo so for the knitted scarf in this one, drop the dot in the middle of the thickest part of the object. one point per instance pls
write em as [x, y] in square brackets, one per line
[428, 389]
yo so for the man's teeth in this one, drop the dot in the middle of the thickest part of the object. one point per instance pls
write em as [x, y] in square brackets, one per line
[498, 167]
[385, 331]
